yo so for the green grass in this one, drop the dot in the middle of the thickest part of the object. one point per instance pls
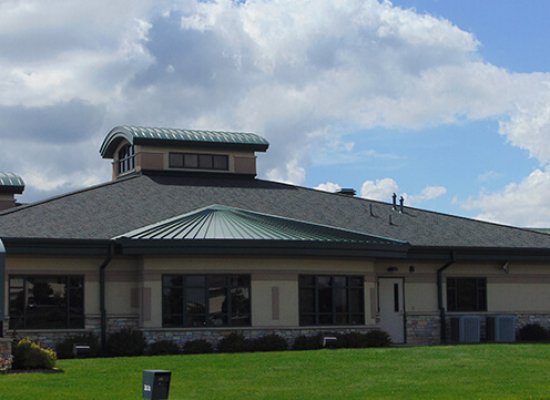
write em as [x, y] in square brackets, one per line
[441, 372]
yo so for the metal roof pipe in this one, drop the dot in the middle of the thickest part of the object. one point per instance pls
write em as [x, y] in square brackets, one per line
[442, 323]
[2, 285]
[102, 308]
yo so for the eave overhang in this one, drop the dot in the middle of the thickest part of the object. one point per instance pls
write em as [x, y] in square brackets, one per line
[534, 254]
[257, 248]
[47, 246]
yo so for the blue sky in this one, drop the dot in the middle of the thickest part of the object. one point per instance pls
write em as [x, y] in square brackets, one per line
[444, 102]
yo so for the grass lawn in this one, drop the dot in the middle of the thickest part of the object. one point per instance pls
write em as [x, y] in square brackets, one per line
[465, 372]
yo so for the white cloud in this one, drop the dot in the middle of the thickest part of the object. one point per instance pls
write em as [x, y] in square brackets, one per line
[521, 204]
[428, 193]
[301, 73]
[380, 189]
[329, 187]
[383, 189]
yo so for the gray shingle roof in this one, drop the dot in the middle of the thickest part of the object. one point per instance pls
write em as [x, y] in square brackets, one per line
[115, 208]
[141, 134]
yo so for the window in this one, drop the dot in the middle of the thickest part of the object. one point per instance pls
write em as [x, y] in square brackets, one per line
[46, 302]
[331, 300]
[466, 294]
[126, 158]
[199, 161]
[205, 300]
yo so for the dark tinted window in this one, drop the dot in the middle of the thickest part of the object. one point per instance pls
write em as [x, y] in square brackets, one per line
[466, 294]
[205, 300]
[331, 300]
[46, 302]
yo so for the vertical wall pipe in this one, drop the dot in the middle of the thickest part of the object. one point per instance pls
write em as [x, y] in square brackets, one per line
[102, 308]
[2, 285]
[443, 325]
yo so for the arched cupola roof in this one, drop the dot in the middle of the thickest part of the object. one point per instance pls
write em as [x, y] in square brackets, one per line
[12, 183]
[167, 136]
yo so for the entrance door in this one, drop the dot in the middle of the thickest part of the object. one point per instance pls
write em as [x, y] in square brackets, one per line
[391, 307]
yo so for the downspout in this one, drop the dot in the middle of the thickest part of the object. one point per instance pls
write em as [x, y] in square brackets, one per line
[102, 309]
[443, 327]
[2, 285]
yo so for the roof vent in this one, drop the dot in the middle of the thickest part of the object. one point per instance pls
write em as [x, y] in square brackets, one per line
[10, 185]
[347, 192]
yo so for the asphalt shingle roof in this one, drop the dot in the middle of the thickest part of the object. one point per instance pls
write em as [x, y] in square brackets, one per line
[112, 209]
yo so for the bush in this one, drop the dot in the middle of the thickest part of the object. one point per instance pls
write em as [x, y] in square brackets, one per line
[271, 342]
[532, 333]
[377, 338]
[234, 343]
[303, 342]
[64, 349]
[126, 342]
[353, 340]
[163, 347]
[30, 355]
[198, 346]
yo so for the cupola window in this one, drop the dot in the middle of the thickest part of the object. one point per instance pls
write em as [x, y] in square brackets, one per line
[199, 161]
[126, 158]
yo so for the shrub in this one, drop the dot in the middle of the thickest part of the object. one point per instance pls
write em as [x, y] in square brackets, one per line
[377, 338]
[532, 333]
[303, 342]
[64, 349]
[126, 342]
[198, 346]
[30, 355]
[271, 342]
[353, 340]
[163, 347]
[234, 343]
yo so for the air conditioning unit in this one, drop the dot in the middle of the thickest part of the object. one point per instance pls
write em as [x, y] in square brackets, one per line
[465, 329]
[501, 328]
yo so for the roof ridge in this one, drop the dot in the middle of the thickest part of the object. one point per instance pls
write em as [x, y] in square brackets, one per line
[387, 204]
[68, 194]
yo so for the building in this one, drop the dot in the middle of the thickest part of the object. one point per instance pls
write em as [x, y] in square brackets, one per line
[185, 242]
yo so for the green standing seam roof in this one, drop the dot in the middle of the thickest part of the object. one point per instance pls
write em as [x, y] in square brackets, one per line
[140, 134]
[223, 222]
[9, 179]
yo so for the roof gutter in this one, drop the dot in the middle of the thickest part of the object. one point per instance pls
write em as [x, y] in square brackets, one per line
[443, 327]
[2, 285]
[102, 308]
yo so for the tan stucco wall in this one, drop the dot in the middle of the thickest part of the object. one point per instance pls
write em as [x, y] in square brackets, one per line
[524, 288]
[134, 284]
[266, 273]
[121, 279]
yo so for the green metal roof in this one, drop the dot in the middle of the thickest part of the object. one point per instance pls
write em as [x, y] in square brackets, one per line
[217, 222]
[9, 180]
[145, 135]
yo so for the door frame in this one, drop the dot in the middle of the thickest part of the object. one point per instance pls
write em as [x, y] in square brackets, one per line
[402, 278]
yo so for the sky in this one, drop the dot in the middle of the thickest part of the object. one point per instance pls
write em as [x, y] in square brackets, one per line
[446, 103]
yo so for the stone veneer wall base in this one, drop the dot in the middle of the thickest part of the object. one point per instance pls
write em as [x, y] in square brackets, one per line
[214, 335]
[5, 354]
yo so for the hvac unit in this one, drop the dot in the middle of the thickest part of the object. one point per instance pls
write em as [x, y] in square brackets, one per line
[501, 328]
[465, 329]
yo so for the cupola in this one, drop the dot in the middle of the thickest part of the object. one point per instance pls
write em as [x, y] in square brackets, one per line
[135, 149]
[10, 185]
